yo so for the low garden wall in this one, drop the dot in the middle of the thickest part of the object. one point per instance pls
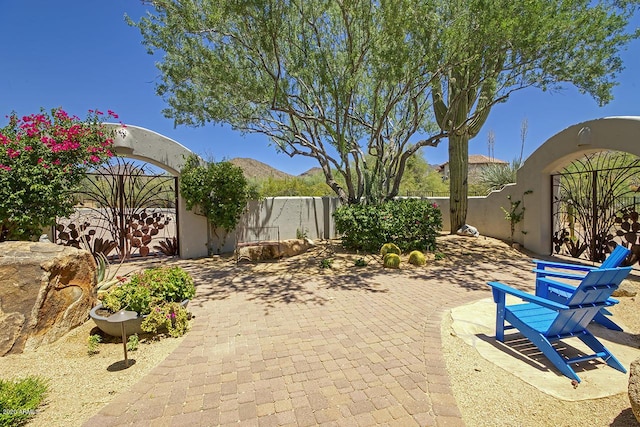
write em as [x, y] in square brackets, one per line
[282, 218]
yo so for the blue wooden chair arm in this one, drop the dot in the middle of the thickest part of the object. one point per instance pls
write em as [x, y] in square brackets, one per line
[500, 289]
[558, 274]
[552, 264]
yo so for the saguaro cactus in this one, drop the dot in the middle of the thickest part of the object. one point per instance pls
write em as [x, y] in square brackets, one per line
[457, 119]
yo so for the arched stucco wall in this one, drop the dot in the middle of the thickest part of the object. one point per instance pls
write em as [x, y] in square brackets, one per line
[151, 147]
[612, 133]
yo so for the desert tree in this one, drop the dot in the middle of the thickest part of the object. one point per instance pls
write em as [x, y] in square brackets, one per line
[493, 48]
[347, 83]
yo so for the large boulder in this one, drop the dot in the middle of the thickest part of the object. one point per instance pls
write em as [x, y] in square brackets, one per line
[263, 251]
[634, 388]
[626, 289]
[45, 291]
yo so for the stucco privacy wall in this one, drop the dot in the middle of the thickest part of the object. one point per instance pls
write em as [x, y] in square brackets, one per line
[282, 217]
[151, 147]
[267, 219]
[612, 133]
[314, 215]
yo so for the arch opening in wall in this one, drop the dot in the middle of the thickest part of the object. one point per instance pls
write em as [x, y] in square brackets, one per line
[595, 201]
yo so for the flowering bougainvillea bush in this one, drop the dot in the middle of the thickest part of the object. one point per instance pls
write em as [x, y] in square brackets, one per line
[43, 158]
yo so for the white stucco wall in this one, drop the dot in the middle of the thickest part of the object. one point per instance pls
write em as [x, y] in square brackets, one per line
[313, 215]
[613, 133]
[281, 217]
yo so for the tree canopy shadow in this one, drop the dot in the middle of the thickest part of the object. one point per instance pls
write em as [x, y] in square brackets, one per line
[625, 419]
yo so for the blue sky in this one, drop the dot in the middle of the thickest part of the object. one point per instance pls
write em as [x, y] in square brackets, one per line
[81, 55]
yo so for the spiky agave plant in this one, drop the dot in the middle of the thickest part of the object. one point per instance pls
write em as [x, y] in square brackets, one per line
[168, 246]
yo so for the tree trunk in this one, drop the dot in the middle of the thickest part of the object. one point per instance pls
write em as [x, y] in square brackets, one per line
[458, 180]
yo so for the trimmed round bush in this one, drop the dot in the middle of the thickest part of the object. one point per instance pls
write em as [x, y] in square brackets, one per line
[389, 248]
[417, 258]
[391, 261]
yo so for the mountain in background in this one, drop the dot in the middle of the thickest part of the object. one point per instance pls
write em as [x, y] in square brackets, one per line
[255, 169]
[312, 171]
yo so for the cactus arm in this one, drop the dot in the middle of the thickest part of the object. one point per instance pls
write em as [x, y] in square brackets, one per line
[487, 95]
[439, 107]
[481, 114]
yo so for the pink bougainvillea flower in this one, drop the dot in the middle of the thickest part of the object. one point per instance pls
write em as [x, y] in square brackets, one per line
[62, 115]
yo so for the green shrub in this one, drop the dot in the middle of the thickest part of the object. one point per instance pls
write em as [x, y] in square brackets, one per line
[133, 342]
[389, 248]
[219, 190]
[20, 399]
[166, 284]
[326, 263]
[170, 316]
[128, 296]
[360, 262]
[93, 341]
[391, 261]
[417, 258]
[149, 288]
[409, 223]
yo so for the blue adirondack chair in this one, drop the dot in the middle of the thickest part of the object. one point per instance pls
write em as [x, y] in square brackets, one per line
[544, 321]
[559, 291]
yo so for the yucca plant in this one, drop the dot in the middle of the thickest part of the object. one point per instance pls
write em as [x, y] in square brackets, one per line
[495, 176]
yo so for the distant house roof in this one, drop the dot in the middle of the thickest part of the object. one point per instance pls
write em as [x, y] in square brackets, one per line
[479, 159]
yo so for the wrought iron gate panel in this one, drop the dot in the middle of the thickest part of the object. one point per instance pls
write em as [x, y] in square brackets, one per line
[123, 211]
[594, 203]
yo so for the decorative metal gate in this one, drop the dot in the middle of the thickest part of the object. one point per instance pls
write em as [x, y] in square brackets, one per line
[594, 202]
[124, 211]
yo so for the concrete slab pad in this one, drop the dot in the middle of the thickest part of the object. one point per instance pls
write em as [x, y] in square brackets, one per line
[474, 323]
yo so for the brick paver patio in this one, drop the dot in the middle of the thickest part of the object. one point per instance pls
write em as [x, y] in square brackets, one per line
[267, 350]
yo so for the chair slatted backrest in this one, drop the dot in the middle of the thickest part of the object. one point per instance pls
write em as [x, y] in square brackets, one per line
[588, 298]
[617, 256]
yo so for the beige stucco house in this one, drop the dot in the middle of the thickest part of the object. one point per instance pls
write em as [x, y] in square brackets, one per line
[476, 163]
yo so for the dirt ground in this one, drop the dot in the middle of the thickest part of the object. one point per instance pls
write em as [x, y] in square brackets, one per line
[81, 384]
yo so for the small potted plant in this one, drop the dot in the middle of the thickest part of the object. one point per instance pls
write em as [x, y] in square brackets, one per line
[157, 290]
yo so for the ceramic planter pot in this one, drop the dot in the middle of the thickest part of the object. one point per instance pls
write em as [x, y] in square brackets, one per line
[114, 329]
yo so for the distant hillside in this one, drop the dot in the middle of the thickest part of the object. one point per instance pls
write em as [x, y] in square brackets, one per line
[254, 169]
[312, 171]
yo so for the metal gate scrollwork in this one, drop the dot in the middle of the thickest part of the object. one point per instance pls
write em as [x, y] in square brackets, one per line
[123, 211]
[594, 206]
